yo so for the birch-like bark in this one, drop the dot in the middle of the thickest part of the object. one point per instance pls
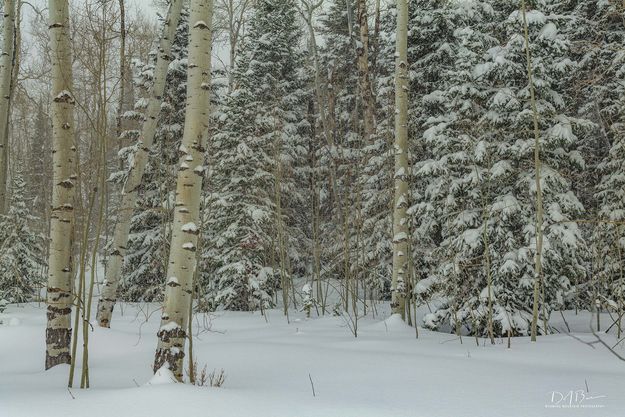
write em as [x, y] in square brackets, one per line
[108, 296]
[307, 10]
[538, 264]
[366, 91]
[59, 291]
[184, 240]
[400, 220]
[6, 75]
[122, 76]
[325, 98]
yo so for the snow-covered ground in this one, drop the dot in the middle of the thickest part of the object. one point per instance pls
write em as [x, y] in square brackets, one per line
[385, 372]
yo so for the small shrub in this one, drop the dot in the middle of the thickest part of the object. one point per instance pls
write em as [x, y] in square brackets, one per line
[205, 379]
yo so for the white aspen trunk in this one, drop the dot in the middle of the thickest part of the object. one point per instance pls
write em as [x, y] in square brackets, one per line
[108, 296]
[121, 105]
[538, 265]
[324, 97]
[59, 292]
[185, 231]
[307, 12]
[400, 220]
[366, 91]
[368, 104]
[6, 75]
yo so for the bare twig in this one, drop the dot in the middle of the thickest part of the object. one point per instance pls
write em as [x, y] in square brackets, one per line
[312, 385]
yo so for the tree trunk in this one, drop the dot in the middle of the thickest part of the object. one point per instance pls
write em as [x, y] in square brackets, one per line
[122, 76]
[6, 75]
[58, 331]
[184, 239]
[400, 220]
[538, 266]
[130, 191]
[366, 91]
[376, 37]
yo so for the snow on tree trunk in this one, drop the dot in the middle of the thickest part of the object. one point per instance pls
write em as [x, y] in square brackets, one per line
[400, 220]
[182, 257]
[130, 192]
[58, 331]
[6, 71]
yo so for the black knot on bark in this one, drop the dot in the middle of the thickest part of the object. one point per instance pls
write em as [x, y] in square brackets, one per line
[64, 97]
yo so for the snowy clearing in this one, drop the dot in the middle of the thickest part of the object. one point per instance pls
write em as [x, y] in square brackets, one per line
[385, 372]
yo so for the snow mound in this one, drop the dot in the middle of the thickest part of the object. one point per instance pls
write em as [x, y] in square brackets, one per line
[163, 376]
[392, 324]
[9, 321]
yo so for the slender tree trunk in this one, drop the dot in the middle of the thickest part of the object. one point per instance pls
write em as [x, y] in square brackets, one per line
[279, 225]
[102, 129]
[17, 50]
[122, 75]
[232, 38]
[325, 106]
[538, 266]
[316, 220]
[184, 239]
[58, 331]
[130, 191]
[6, 76]
[236, 19]
[375, 45]
[366, 91]
[400, 220]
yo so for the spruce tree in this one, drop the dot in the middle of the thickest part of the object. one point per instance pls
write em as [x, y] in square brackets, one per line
[600, 35]
[254, 233]
[479, 205]
[21, 248]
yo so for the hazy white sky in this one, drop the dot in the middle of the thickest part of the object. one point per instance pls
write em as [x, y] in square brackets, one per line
[145, 6]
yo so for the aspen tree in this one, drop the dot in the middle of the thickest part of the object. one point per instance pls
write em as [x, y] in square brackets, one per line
[17, 42]
[101, 126]
[58, 331]
[235, 11]
[366, 91]
[538, 272]
[307, 11]
[123, 77]
[184, 240]
[369, 122]
[6, 76]
[130, 191]
[400, 220]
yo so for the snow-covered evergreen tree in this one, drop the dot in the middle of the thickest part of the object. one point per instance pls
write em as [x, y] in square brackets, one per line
[479, 206]
[37, 180]
[21, 248]
[258, 153]
[600, 34]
